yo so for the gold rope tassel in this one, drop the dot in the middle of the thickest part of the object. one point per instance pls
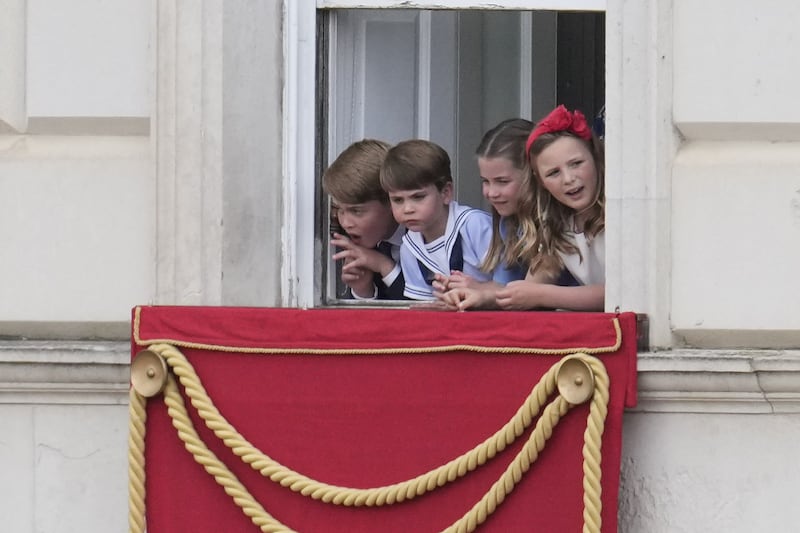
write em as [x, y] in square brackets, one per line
[136, 473]
[592, 440]
[400, 491]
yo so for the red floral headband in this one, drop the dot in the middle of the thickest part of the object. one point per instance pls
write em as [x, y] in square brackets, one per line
[560, 119]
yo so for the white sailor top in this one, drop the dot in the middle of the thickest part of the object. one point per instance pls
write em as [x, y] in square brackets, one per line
[462, 247]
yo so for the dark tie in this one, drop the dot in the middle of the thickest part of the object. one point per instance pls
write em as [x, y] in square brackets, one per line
[385, 248]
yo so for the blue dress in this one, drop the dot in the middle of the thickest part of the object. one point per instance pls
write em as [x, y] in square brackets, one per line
[504, 273]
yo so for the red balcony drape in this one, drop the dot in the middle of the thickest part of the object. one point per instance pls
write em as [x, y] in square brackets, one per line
[407, 391]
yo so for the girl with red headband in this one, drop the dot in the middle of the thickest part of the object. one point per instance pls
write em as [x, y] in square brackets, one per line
[567, 261]
[568, 268]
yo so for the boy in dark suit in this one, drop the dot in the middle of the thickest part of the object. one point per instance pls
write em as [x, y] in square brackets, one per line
[370, 249]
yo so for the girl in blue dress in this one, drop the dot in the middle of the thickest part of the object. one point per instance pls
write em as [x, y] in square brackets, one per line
[506, 184]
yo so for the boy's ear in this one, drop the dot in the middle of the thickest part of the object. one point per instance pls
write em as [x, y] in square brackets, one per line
[447, 193]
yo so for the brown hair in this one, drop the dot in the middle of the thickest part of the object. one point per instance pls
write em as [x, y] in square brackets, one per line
[507, 141]
[554, 217]
[354, 177]
[415, 164]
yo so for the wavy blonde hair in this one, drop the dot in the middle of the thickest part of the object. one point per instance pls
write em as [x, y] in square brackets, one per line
[553, 218]
[507, 141]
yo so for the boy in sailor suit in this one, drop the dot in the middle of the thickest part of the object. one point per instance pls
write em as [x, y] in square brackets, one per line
[442, 236]
[370, 249]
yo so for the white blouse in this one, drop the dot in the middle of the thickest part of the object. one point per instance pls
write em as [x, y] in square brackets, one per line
[590, 266]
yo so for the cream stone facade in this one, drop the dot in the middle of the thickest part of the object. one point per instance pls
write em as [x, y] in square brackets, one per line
[163, 152]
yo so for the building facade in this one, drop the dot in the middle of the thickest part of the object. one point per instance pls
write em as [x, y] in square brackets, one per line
[168, 153]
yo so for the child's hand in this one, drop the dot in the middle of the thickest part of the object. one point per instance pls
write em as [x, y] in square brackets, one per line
[519, 295]
[463, 298]
[340, 241]
[460, 292]
[440, 285]
[527, 294]
[451, 299]
[456, 280]
[459, 280]
[358, 279]
[358, 257]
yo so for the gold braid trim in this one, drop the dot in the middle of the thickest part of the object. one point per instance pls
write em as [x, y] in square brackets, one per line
[136, 473]
[407, 489]
[379, 351]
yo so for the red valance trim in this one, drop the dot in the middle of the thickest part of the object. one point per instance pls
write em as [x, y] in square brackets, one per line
[613, 333]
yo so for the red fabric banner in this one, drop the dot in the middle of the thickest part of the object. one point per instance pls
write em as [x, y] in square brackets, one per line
[407, 391]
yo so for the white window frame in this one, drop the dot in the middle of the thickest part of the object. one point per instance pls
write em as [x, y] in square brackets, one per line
[637, 170]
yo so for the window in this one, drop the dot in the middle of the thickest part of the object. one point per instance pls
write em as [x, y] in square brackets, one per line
[447, 76]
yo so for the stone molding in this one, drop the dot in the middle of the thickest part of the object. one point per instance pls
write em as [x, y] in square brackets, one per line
[681, 381]
[54, 372]
[717, 381]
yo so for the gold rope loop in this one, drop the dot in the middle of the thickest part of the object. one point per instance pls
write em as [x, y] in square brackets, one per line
[209, 461]
[397, 492]
[513, 474]
[338, 495]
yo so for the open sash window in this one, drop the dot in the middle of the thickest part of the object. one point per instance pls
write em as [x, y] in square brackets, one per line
[446, 76]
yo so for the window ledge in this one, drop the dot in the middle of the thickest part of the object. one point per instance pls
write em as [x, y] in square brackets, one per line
[64, 372]
[679, 381]
[719, 381]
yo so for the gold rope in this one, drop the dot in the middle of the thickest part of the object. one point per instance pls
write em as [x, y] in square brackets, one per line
[513, 474]
[209, 461]
[592, 440]
[136, 430]
[337, 495]
[407, 489]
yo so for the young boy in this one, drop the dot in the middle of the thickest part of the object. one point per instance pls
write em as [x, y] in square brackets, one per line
[371, 249]
[442, 236]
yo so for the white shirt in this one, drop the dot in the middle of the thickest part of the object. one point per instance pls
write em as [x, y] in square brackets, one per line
[590, 266]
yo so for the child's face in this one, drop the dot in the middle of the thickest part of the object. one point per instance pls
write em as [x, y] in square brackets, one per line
[567, 170]
[367, 223]
[424, 210]
[501, 183]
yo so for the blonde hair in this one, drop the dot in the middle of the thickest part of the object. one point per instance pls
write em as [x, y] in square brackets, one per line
[554, 217]
[354, 177]
[507, 141]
